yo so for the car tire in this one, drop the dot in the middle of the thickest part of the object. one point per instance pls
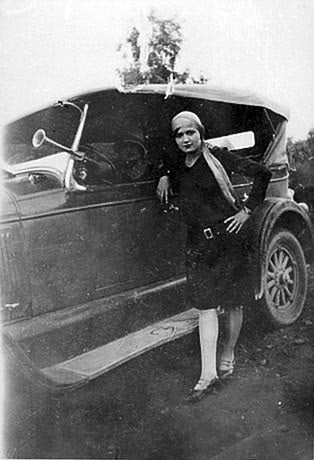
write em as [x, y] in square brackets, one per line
[285, 281]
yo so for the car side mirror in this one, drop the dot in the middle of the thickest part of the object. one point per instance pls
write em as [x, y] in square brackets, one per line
[40, 137]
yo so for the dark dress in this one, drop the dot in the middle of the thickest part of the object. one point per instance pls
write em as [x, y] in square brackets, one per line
[216, 268]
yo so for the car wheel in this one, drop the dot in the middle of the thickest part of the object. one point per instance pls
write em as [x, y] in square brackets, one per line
[285, 281]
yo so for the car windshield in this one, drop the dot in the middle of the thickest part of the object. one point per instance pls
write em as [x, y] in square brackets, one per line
[145, 118]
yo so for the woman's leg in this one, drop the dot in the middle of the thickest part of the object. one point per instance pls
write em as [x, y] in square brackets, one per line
[208, 334]
[233, 324]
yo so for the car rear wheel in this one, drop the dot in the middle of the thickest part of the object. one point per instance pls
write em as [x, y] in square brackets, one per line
[285, 281]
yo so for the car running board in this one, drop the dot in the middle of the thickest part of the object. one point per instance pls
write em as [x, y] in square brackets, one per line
[94, 363]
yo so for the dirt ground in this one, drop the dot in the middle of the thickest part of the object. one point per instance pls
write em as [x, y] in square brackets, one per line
[138, 411]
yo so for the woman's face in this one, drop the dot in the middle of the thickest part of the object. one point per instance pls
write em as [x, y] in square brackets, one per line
[188, 138]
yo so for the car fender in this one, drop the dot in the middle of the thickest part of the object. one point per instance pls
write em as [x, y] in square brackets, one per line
[271, 214]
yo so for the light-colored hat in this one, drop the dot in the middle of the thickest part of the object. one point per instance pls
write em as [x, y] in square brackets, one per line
[177, 120]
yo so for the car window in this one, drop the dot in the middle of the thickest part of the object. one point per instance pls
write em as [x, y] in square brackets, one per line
[59, 124]
[125, 161]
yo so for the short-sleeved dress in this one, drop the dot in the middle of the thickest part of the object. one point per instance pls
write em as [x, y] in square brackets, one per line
[216, 268]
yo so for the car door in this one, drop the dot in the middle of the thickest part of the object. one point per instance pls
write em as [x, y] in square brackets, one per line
[136, 242]
[60, 261]
[15, 287]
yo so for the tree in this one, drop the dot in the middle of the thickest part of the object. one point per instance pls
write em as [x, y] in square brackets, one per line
[300, 154]
[152, 57]
[310, 141]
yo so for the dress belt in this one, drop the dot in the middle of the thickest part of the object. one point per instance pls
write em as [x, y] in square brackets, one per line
[214, 231]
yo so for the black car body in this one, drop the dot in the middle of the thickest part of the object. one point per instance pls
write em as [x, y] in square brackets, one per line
[92, 265]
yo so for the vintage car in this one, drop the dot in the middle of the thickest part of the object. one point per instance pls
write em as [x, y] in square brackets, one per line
[92, 265]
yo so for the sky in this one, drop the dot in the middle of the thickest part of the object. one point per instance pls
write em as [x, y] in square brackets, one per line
[53, 49]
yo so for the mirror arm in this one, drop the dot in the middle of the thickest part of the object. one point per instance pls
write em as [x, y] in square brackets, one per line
[78, 135]
[64, 103]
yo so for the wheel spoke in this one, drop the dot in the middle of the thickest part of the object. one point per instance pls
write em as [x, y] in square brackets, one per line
[273, 266]
[285, 258]
[277, 298]
[272, 293]
[276, 260]
[270, 283]
[287, 276]
[285, 261]
[288, 292]
[283, 295]
[280, 257]
[270, 274]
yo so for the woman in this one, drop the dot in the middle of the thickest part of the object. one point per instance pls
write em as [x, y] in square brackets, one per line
[215, 247]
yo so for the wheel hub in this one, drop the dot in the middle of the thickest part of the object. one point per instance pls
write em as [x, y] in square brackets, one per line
[281, 278]
[280, 282]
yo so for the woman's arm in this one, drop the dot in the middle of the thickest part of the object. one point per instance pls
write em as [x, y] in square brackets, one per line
[260, 174]
[167, 176]
[164, 189]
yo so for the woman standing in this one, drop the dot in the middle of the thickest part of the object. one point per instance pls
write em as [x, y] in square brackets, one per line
[215, 253]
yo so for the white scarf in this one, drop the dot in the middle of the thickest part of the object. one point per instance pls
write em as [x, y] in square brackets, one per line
[221, 176]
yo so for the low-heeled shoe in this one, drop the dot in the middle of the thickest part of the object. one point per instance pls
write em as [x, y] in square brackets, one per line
[226, 369]
[196, 395]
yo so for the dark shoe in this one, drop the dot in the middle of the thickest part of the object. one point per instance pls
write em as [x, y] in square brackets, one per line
[211, 388]
[226, 368]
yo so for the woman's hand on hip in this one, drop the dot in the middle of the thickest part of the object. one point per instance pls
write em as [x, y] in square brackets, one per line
[236, 221]
[164, 189]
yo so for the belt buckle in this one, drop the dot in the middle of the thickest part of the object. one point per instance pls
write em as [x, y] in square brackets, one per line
[208, 233]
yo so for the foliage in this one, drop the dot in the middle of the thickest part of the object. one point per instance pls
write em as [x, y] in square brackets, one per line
[301, 154]
[300, 150]
[153, 61]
